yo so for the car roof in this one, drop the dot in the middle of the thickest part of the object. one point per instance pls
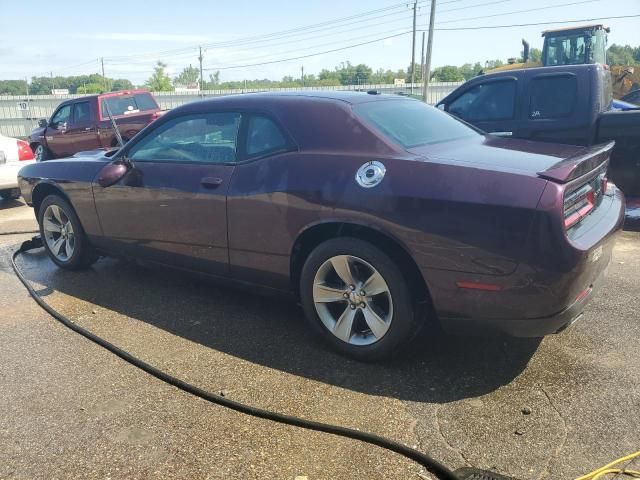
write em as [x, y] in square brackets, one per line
[257, 100]
[104, 95]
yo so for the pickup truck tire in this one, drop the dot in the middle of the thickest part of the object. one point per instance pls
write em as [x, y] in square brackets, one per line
[40, 152]
[63, 236]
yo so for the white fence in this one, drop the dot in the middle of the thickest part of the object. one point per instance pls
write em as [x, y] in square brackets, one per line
[20, 114]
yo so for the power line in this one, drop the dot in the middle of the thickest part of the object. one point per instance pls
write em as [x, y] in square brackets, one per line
[410, 31]
[312, 54]
[282, 33]
[536, 24]
[288, 42]
[519, 11]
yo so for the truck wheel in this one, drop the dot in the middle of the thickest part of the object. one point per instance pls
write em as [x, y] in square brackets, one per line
[63, 236]
[355, 296]
[40, 152]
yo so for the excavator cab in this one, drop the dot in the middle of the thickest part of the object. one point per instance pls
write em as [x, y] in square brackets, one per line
[575, 45]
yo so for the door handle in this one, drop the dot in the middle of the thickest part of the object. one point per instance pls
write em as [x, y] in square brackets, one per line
[211, 182]
[87, 129]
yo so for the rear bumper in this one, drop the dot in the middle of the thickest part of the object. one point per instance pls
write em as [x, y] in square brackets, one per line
[531, 327]
[9, 174]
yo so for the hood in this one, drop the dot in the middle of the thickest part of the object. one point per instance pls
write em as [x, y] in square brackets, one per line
[512, 155]
[37, 132]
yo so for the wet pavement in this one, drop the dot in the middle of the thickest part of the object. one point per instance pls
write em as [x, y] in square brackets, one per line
[69, 409]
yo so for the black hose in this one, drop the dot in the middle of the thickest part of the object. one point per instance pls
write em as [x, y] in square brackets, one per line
[423, 459]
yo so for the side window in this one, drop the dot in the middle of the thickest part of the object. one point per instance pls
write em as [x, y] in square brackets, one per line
[263, 136]
[486, 101]
[202, 138]
[81, 112]
[553, 97]
[61, 116]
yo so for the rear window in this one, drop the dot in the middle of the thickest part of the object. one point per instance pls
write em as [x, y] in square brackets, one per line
[412, 123]
[553, 97]
[128, 104]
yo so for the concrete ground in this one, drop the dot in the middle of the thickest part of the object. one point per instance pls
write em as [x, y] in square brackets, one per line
[69, 409]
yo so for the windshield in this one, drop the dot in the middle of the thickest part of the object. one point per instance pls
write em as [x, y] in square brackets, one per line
[575, 48]
[412, 123]
[128, 104]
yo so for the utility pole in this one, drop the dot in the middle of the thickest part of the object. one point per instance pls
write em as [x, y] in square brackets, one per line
[104, 79]
[200, 60]
[302, 77]
[422, 59]
[53, 85]
[427, 68]
[413, 45]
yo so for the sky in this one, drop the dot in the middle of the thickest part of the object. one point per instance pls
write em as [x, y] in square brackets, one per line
[68, 38]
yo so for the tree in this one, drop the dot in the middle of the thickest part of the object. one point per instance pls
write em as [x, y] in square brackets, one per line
[13, 87]
[189, 76]
[622, 55]
[362, 73]
[121, 84]
[489, 64]
[159, 80]
[535, 55]
[448, 73]
[469, 71]
[90, 88]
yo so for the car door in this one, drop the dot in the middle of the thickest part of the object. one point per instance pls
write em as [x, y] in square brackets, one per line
[170, 207]
[489, 105]
[56, 135]
[81, 131]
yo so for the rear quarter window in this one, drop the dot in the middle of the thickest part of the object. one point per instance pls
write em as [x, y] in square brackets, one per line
[411, 123]
[553, 97]
[128, 104]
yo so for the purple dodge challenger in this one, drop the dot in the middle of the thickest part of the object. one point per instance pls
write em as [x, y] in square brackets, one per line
[379, 212]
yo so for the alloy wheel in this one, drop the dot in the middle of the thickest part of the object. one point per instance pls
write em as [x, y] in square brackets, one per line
[58, 232]
[352, 300]
[39, 153]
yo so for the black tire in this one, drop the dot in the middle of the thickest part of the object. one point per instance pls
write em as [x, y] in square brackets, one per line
[404, 322]
[83, 255]
[40, 155]
[10, 194]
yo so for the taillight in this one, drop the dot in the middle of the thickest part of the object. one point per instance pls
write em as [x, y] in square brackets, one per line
[578, 204]
[24, 151]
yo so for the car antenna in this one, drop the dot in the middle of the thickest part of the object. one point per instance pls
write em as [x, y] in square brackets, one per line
[113, 124]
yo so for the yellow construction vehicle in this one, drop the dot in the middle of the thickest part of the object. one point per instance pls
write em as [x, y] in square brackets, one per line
[578, 45]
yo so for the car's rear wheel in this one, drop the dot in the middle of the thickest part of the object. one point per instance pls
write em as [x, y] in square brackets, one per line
[40, 152]
[63, 236]
[357, 299]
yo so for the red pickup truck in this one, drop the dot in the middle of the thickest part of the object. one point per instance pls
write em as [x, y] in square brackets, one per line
[83, 123]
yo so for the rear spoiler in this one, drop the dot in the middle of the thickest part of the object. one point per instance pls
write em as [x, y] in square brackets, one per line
[588, 159]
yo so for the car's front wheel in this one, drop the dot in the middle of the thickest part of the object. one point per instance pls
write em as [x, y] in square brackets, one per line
[357, 298]
[63, 236]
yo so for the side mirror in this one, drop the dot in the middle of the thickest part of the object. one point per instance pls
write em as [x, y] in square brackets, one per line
[111, 174]
[42, 123]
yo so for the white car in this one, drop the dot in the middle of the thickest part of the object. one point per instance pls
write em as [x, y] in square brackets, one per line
[14, 154]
